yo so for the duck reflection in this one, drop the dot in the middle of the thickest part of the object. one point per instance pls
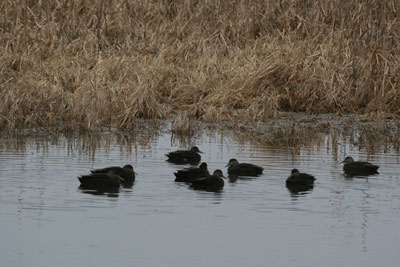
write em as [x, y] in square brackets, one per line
[209, 189]
[110, 192]
[299, 189]
[128, 184]
[349, 176]
[213, 195]
[233, 177]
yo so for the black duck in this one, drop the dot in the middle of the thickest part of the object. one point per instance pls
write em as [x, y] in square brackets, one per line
[298, 178]
[101, 180]
[352, 167]
[210, 182]
[243, 169]
[191, 156]
[193, 173]
[126, 172]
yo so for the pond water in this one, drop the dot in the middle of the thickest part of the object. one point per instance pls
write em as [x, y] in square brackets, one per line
[47, 220]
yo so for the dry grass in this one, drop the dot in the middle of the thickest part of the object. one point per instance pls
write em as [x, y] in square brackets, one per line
[87, 64]
[184, 124]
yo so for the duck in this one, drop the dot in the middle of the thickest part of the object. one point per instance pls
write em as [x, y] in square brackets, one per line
[210, 182]
[191, 156]
[243, 169]
[299, 178]
[126, 172]
[193, 173]
[352, 167]
[101, 180]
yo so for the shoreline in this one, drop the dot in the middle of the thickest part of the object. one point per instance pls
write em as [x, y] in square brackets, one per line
[292, 130]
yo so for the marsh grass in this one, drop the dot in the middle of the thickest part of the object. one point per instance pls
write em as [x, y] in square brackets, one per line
[184, 124]
[88, 64]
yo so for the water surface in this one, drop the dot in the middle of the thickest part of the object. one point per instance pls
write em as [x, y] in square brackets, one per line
[47, 220]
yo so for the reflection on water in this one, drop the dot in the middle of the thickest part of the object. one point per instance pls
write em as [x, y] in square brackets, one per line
[296, 189]
[213, 190]
[361, 176]
[233, 177]
[158, 222]
[110, 192]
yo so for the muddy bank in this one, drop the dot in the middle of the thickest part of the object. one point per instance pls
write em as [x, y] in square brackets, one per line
[298, 129]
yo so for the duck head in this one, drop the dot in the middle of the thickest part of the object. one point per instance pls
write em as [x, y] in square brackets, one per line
[129, 167]
[348, 160]
[218, 173]
[232, 162]
[294, 173]
[195, 149]
[203, 166]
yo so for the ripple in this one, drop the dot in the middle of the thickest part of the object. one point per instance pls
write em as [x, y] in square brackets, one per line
[40, 194]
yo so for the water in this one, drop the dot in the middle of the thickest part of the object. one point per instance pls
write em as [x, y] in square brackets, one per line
[46, 220]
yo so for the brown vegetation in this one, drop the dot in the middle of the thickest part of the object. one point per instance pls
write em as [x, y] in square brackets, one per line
[80, 64]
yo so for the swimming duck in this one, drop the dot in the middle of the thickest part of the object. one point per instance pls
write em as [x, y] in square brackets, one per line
[244, 169]
[185, 156]
[126, 172]
[211, 182]
[101, 180]
[299, 178]
[352, 167]
[193, 173]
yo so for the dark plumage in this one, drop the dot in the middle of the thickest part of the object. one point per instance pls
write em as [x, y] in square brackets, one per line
[191, 156]
[244, 169]
[298, 178]
[101, 180]
[190, 174]
[125, 172]
[352, 167]
[210, 182]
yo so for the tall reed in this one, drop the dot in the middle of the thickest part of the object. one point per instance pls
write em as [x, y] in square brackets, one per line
[79, 64]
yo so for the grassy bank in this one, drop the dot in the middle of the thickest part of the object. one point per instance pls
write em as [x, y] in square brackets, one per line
[86, 64]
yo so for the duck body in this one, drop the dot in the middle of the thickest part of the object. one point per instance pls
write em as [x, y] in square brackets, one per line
[243, 169]
[298, 178]
[210, 182]
[101, 180]
[191, 156]
[190, 174]
[352, 167]
[126, 172]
